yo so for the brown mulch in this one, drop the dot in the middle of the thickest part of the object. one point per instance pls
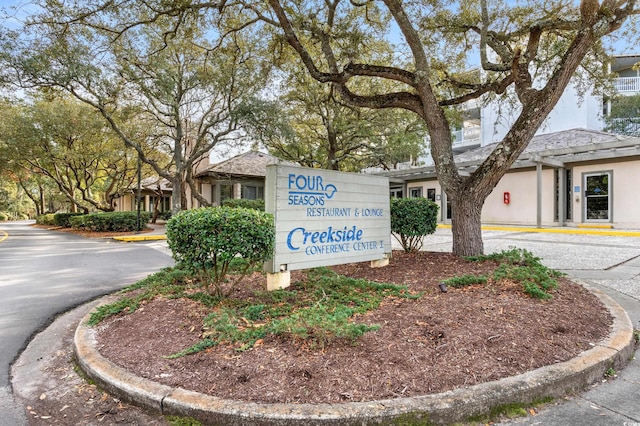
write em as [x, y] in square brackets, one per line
[438, 342]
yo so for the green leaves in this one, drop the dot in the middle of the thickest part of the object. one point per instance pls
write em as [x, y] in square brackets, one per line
[207, 240]
[411, 219]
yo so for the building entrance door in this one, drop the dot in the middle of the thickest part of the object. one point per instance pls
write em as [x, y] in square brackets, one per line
[597, 197]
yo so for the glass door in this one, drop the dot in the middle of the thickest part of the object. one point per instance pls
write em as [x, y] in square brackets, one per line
[597, 199]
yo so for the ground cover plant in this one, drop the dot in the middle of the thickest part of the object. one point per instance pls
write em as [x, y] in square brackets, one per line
[515, 265]
[317, 311]
[347, 333]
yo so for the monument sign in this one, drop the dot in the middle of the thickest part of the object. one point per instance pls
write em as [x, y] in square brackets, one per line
[324, 217]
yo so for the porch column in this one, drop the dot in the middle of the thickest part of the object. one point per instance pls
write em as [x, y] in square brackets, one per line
[562, 196]
[539, 194]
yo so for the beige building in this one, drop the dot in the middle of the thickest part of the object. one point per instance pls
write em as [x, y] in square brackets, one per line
[241, 176]
[569, 178]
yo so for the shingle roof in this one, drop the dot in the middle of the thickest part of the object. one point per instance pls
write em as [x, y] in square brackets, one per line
[550, 141]
[252, 163]
[566, 146]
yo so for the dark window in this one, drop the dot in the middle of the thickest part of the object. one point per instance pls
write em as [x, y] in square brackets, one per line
[431, 194]
[252, 192]
[226, 191]
[396, 193]
[415, 192]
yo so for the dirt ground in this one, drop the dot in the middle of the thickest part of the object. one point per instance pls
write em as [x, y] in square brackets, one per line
[440, 341]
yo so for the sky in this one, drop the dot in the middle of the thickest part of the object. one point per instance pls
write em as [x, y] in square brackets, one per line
[16, 10]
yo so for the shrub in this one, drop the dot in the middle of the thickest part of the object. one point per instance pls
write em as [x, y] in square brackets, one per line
[244, 203]
[110, 221]
[4, 216]
[46, 219]
[412, 219]
[62, 219]
[207, 240]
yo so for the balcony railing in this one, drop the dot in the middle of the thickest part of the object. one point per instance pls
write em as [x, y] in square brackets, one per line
[625, 126]
[627, 84]
[467, 136]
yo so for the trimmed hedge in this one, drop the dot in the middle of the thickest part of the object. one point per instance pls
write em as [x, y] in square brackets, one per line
[412, 219]
[244, 203]
[110, 221]
[62, 219]
[46, 219]
[205, 241]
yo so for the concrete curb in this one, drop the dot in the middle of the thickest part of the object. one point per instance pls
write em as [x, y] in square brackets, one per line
[555, 381]
[131, 238]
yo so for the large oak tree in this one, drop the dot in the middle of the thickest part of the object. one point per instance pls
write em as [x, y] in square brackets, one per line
[530, 50]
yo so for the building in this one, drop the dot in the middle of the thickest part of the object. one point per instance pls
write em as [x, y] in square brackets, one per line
[572, 173]
[241, 176]
[567, 178]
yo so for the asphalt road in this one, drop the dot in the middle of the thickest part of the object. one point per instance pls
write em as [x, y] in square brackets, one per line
[45, 273]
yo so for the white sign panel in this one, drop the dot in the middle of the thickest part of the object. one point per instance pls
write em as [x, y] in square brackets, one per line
[324, 217]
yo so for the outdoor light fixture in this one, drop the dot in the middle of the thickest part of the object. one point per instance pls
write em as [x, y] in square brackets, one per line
[443, 287]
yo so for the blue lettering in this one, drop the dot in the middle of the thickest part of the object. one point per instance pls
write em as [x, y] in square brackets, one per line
[306, 183]
[290, 236]
[328, 236]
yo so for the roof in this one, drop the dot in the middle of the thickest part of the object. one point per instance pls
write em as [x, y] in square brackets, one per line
[552, 149]
[573, 138]
[252, 163]
[622, 62]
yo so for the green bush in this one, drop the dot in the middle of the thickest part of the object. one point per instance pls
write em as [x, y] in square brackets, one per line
[244, 203]
[207, 240]
[4, 216]
[110, 221]
[412, 219]
[46, 219]
[62, 219]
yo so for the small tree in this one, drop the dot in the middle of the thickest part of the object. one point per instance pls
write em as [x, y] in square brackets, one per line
[412, 219]
[207, 240]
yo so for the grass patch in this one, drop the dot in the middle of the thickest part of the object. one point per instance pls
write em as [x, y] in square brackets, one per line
[182, 421]
[510, 411]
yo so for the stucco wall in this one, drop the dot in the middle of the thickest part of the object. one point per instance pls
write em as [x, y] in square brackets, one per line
[522, 209]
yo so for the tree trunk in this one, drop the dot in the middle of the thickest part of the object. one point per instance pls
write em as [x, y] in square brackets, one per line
[466, 226]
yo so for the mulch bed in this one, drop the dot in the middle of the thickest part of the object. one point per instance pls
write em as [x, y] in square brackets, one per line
[438, 342]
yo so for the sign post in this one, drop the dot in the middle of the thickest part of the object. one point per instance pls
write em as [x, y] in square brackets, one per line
[324, 218]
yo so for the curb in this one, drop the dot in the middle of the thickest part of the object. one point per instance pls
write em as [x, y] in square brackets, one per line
[131, 238]
[556, 380]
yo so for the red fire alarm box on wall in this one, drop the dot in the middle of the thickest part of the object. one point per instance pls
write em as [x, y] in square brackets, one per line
[506, 198]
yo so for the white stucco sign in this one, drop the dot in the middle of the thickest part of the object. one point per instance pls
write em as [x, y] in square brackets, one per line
[324, 217]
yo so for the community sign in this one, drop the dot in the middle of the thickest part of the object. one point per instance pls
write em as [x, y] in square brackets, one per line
[324, 217]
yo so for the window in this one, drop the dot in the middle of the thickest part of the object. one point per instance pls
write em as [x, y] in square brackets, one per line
[252, 192]
[396, 193]
[226, 191]
[415, 192]
[431, 194]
